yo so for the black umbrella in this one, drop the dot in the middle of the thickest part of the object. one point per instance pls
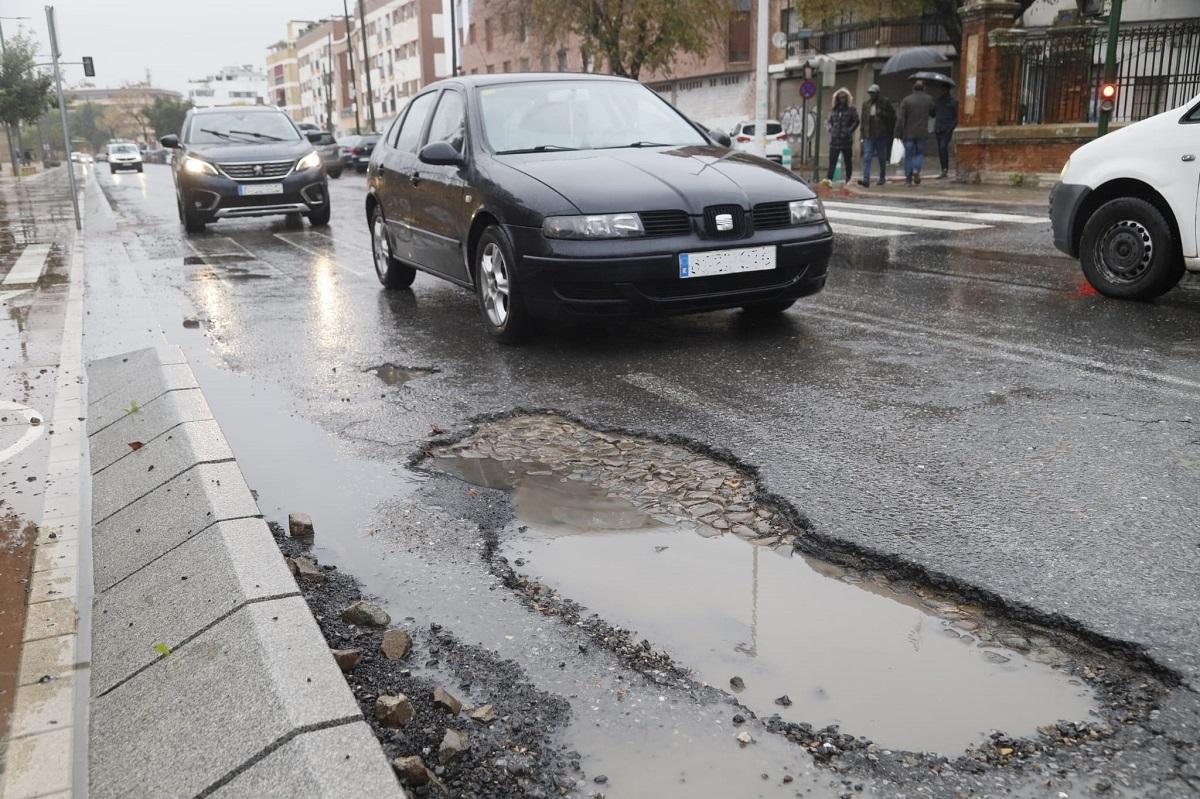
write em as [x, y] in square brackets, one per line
[933, 77]
[914, 58]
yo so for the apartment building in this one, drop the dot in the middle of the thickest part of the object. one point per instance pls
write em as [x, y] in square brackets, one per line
[283, 73]
[236, 85]
[323, 72]
[406, 48]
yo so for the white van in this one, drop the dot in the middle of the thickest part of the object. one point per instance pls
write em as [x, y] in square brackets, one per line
[124, 155]
[1126, 205]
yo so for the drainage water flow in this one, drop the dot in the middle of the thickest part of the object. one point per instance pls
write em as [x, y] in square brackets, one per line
[907, 671]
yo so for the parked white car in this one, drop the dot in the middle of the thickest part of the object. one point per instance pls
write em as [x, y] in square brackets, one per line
[1126, 205]
[742, 137]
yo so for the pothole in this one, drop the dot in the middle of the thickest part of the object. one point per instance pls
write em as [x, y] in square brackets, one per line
[681, 548]
[392, 375]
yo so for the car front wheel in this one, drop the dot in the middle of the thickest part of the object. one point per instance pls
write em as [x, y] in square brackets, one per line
[1128, 250]
[391, 273]
[497, 289]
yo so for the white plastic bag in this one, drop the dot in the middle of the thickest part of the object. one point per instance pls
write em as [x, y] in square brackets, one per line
[897, 152]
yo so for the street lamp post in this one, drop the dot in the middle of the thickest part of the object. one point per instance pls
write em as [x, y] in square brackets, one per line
[362, 26]
[329, 81]
[353, 77]
[62, 111]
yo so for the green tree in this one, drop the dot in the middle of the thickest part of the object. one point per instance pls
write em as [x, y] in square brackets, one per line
[628, 36]
[166, 114]
[24, 92]
[88, 122]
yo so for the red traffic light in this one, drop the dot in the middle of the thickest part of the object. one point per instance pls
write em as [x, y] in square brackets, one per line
[1108, 91]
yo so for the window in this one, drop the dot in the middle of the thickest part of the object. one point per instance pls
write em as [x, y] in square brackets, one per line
[739, 36]
[471, 33]
[545, 62]
[490, 69]
[524, 63]
[508, 66]
[414, 121]
[522, 30]
[449, 124]
[562, 60]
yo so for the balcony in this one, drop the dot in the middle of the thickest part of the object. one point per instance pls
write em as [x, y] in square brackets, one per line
[880, 35]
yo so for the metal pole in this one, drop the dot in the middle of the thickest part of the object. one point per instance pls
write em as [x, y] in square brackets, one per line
[760, 80]
[1110, 61]
[362, 26]
[453, 42]
[353, 77]
[62, 112]
[329, 81]
[817, 132]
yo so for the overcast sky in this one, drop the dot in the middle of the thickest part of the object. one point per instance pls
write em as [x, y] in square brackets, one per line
[174, 39]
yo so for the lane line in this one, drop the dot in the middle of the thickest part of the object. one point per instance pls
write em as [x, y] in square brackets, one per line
[339, 241]
[31, 434]
[932, 224]
[317, 253]
[29, 266]
[866, 232]
[978, 216]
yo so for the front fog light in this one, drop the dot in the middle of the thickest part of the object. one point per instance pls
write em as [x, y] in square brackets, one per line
[310, 161]
[806, 211]
[593, 226]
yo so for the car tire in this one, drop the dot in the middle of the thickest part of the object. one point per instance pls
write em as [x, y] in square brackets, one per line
[360, 169]
[496, 287]
[319, 217]
[335, 174]
[191, 222]
[1128, 250]
[112, 170]
[769, 308]
[391, 273]
[139, 168]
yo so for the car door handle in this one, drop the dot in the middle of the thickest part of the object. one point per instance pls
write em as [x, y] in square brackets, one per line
[414, 178]
[1188, 157]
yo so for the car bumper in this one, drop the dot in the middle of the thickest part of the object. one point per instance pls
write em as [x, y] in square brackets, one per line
[215, 197]
[124, 164]
[1065, 201]
[641, 276]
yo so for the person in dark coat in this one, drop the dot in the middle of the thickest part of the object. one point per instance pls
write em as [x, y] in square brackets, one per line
[945, 120]
[878, 125]
[843, 121]
[912, 128]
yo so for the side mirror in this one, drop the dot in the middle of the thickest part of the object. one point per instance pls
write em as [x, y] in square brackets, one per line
[721, 138]
[170, 140]
[314, 136]
[440, 153]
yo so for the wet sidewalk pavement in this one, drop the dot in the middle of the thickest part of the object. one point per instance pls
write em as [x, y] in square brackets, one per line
[41, 429]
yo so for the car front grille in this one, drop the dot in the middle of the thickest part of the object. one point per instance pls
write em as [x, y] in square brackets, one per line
[263, 170]
[666, 223]
[737, 215]
[772, 215]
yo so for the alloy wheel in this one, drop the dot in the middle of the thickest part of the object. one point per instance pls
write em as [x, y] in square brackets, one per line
[379, 247]
[494, 271]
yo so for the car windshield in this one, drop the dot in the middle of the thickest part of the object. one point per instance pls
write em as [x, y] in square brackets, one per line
[232, 127]
[579, 115]
[123, 148]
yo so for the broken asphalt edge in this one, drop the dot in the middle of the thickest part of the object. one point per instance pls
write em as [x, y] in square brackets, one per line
[811, 541]
[209, 674]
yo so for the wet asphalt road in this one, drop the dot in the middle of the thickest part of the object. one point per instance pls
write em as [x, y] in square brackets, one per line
[955, 400]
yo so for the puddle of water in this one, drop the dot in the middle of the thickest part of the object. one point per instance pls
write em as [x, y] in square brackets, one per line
[393, 375]
[876, 662]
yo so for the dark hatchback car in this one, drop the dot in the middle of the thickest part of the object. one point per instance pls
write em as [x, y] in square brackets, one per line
[578, 195]
[360, 151]
[246, 161]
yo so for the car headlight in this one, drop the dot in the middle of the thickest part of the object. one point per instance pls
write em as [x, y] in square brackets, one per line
[198, 166]
[593, 226]
[310, 161]
[805, 212]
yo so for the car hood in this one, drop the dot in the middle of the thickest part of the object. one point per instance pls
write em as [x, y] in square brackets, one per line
[233, 153]
[659, 178]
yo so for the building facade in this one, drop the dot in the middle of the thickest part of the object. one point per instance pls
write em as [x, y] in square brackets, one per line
[323, 72]
[283, 73]
[236, 85]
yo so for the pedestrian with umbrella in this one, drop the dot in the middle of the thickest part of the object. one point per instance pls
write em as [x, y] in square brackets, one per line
[912, 128]
[878, 125]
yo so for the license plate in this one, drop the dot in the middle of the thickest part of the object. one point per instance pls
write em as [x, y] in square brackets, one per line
[260, 188]
[726, 262]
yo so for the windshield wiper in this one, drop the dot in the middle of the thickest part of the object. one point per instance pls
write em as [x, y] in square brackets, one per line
[648, 144]
[220, 133]
[256, 135]
[541, 148]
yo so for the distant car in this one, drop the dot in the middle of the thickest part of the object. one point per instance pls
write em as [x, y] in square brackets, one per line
[586, 196]
[238, 161]
[1126, 205]
[742, 137]
[362, 150]
[346, 149]
[77, 157]
[329, 151]
[124, 155]
[101, 156]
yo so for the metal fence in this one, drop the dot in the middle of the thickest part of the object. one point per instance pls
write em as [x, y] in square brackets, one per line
[912, 32]
[1054, 76]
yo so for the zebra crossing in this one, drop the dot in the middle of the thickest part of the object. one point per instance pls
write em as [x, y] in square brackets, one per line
[878, 220]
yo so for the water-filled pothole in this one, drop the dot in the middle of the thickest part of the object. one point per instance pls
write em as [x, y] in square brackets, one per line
[678, 547]
[392, 375]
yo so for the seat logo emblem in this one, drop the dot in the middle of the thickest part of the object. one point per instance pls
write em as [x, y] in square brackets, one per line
[258, 170]
[724, 222]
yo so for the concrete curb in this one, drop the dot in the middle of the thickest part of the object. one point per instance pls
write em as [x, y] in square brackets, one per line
[248, 702]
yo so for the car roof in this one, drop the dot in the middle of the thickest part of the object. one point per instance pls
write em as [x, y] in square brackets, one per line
[494, 79]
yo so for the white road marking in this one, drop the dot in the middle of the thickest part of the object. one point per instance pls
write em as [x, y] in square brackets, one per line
[341, 264]
[903, 221]
[254, 259]
[976, 216]
[31, 434]
[29, 266]
[867, 232]
[5, 296]
[339, 241]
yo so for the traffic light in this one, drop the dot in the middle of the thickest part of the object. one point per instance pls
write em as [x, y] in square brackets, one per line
[1108, 97]
[89, 69]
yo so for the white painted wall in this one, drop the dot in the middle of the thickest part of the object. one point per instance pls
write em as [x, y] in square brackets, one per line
[1043, 12]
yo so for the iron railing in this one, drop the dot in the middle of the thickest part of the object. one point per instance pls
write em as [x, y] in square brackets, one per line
[1053, 76]
[913, 32]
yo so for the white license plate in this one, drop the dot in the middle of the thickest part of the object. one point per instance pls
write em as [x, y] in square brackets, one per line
[726, 262]
[260, 188]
